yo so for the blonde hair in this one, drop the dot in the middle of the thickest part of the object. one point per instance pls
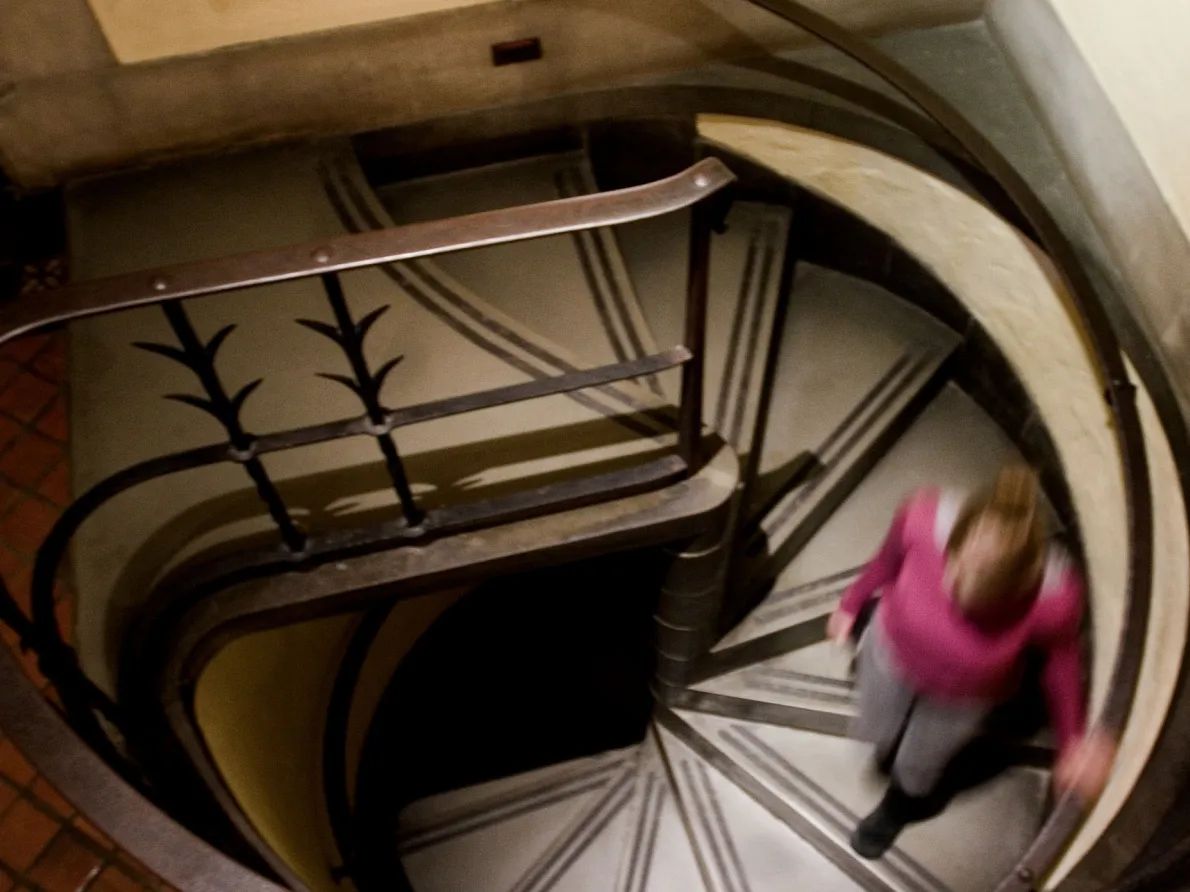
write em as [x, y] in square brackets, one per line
[1012, 502]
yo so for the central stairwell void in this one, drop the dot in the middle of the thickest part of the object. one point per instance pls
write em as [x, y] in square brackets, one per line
[465, 515]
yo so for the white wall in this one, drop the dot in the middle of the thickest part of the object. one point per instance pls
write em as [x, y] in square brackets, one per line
[1110, 79]
[1137, 52]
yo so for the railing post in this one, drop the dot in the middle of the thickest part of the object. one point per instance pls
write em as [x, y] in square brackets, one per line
[688, 610]
[690, 411]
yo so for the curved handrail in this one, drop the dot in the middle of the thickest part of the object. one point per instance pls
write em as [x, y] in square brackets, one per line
[1063, 822]
[347, 252]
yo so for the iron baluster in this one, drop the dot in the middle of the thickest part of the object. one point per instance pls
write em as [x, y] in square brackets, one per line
[705, 216]
[200, 359]
[365, 384]
[744, 515]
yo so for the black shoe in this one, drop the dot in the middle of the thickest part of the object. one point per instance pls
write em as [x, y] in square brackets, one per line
[878, 831]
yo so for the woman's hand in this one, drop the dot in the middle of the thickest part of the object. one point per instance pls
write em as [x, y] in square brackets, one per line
[1085, 767]
[838, 627]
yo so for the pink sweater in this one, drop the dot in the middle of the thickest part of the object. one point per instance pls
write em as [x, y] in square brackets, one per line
[944, 653]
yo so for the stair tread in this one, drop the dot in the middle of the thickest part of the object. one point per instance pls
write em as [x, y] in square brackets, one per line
[842, 336]
[817, 676]
[659, 857]
[515, 792]
[825, 779]
[493, 857]
[743, 847]
[582, 857]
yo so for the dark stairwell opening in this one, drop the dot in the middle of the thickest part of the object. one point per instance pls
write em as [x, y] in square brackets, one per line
[524, 672]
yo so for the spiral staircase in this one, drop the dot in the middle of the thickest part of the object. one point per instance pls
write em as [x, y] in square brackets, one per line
[464, 514]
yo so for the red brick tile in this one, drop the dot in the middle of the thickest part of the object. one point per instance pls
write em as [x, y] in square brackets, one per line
[14, 766]
[30, 459]
[56, 486]
[26, 525]
[24, 832]
[51, 798]
[8, 371]
[66, 865]
[9, 637]
[8, 795]
[26, 659]
[97, 835]
[9, 430]
[24, 349]
[26, 397]
[8, 494]
[16, 573]
[51, 361]
[20, 587]
[115, 880]
[13, 564]
[55, 423]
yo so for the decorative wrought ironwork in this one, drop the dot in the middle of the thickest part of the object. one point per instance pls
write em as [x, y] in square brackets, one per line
[365, 384]
[81, 698]
[200, 359]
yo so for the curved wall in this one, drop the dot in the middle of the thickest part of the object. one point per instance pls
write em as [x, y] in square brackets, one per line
[1010, 287]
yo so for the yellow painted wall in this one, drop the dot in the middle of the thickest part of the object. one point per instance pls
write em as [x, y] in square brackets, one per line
[261, 705]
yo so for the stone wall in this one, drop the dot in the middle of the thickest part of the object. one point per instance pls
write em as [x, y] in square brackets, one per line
[1109, 80]
[67, 107]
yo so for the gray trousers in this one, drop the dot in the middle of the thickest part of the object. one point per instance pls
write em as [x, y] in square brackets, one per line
[930, 732]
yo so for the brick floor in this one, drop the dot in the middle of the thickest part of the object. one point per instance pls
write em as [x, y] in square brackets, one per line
[45, 846]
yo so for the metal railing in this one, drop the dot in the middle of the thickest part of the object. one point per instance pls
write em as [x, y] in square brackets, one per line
[700, 187]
